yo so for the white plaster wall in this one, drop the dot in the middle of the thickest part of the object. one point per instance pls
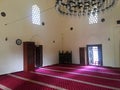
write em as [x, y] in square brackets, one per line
[19, 25]
[56, 28]
[99, 33]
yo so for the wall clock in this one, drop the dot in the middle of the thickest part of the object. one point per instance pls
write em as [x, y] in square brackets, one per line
[18, 41]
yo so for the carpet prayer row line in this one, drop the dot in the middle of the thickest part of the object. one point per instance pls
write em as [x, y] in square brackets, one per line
[63, 77]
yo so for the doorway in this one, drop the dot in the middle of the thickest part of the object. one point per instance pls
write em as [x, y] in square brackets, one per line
[39, 56]
[94, 54]
[82, 55]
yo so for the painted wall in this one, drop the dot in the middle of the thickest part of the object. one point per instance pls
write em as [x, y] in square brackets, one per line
[84, 34]
[18, 24]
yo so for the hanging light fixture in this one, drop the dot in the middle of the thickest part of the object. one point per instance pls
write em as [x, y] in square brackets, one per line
[83, 7]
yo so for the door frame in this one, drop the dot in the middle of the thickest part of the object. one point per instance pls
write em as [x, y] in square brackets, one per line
[98, 45]
[82, 51]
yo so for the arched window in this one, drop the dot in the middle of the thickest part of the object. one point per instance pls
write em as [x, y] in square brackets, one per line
[36, 15]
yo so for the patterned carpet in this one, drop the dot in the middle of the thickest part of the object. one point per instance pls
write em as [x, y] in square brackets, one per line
[63, 77]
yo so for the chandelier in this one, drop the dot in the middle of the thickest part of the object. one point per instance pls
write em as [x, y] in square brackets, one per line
[83, 7]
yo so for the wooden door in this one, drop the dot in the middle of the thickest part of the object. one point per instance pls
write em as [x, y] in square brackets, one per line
[39, 56]
[29, 56]
[82, 55]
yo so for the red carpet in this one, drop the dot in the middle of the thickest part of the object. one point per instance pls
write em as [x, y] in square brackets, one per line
[17, 84]
[94, 68]
[58, 81]
[87, 70]
[83, 78]
[64, 77]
